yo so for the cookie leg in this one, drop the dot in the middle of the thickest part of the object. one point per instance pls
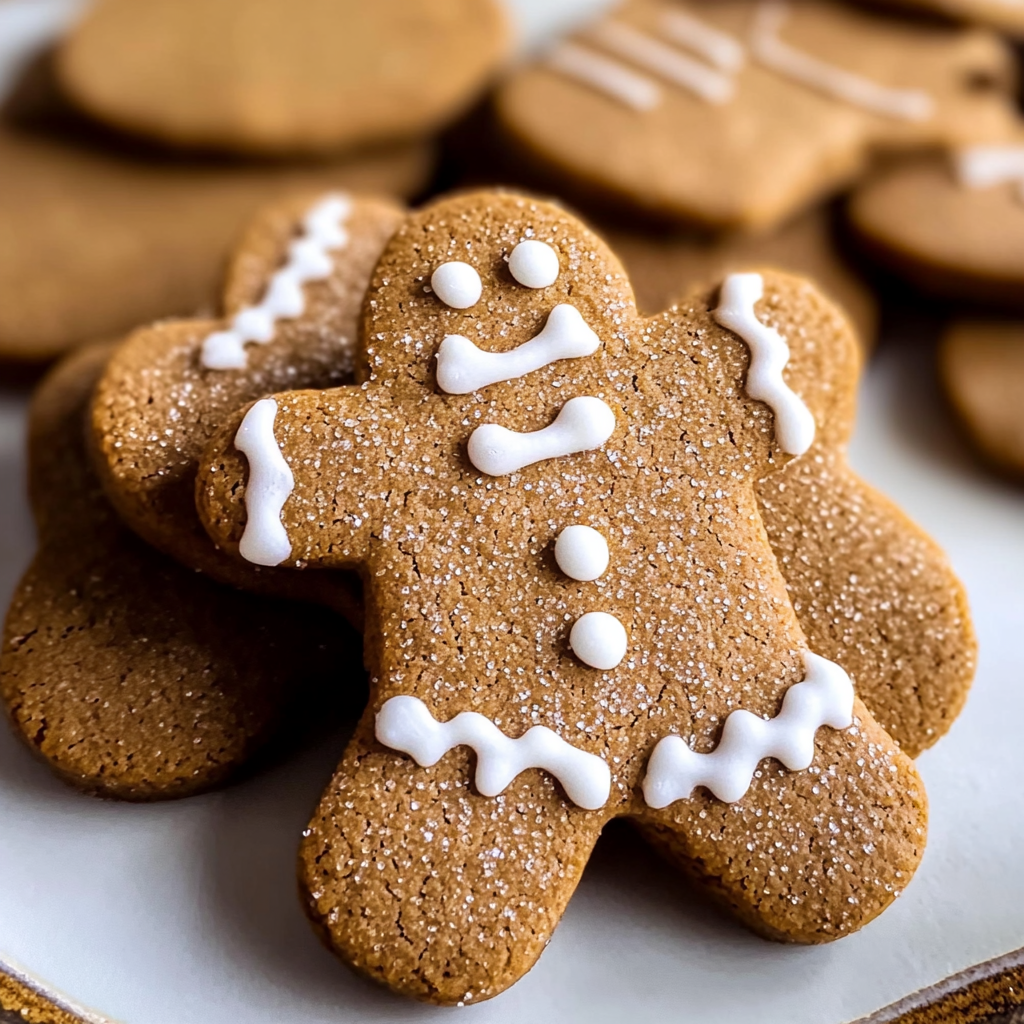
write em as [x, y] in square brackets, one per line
[422, 883]
[807, 856]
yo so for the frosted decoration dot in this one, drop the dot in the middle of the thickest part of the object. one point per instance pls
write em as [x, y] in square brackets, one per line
[581, 553]
[534, 264]
[457, 285]
[598, 640]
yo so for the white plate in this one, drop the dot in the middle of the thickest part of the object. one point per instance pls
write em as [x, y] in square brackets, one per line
[186, 913]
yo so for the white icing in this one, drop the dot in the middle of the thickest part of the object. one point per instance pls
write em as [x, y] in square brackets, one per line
[462, 368]
[598, 640]
[663, 60]
[265, 540]
[405, 723]
[769, 354]
[308, 260]
[838, 83]
[581, 553]
[583, 423]
[457, 284]
[979, 167]
[534, 264]
[825, 697]
[714, 45]
[604, 75]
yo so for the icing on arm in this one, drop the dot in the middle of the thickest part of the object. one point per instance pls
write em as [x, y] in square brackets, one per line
[771, 51]
[265, 540]
[825, 697]
[308, 260]
[583, 423]
[979, 167]
[405, 723]
[714, 45]
[604, 75]
[462, 368]
[656, 57]
[769, 353]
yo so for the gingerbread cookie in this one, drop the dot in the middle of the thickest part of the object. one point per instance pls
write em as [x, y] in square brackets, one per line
[95, 240]
[951, 225]
[739, 112]
[664, 266]
[982, 369]
[552, 505]
[132, 676]
[292, 301]
[281, 76]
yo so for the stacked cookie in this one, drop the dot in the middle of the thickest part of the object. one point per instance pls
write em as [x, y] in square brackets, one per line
[588, 524]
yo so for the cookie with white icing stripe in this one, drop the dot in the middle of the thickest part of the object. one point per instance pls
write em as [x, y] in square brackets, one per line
[281, 76]
[737, 113]
[443, 872]
[292, 301]
[134, 677]
[982, 370]
[952, 225]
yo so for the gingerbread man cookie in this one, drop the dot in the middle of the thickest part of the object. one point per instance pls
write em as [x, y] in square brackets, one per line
[952, 225]
[132, 676]
[292, 302]
[982, 369]
[281, 76]
[552, 505]
[739, 112]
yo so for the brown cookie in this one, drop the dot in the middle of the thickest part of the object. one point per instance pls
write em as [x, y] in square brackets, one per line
[663, 266]
[952, 225]
[132, 676]
[94, 240]
[281, 76]
[982, 369]
[158, 401]
[738, 113]
[451, 478]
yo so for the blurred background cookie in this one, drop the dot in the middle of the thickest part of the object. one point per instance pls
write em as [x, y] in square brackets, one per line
[281, 76]
[952, 225]
[982, 369]
[737, 113]
[98, 235]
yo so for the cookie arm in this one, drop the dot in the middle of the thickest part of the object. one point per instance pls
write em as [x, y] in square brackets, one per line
[296, 478]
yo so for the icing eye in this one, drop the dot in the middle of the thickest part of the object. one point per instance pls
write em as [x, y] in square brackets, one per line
[534, 264]
[457, 285]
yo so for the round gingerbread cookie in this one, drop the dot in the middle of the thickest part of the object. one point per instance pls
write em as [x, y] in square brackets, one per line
[952, 225]
[982, 369]
[134, 677]
[281, 76]
[661, 675]
[737, 113]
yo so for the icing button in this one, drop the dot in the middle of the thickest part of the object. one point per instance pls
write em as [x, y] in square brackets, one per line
[534, 264]
[457, 284]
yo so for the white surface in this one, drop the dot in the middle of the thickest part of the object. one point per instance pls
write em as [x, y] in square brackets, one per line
[186, 913]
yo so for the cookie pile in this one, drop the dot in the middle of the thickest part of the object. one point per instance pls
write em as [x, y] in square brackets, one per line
[574, 493]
